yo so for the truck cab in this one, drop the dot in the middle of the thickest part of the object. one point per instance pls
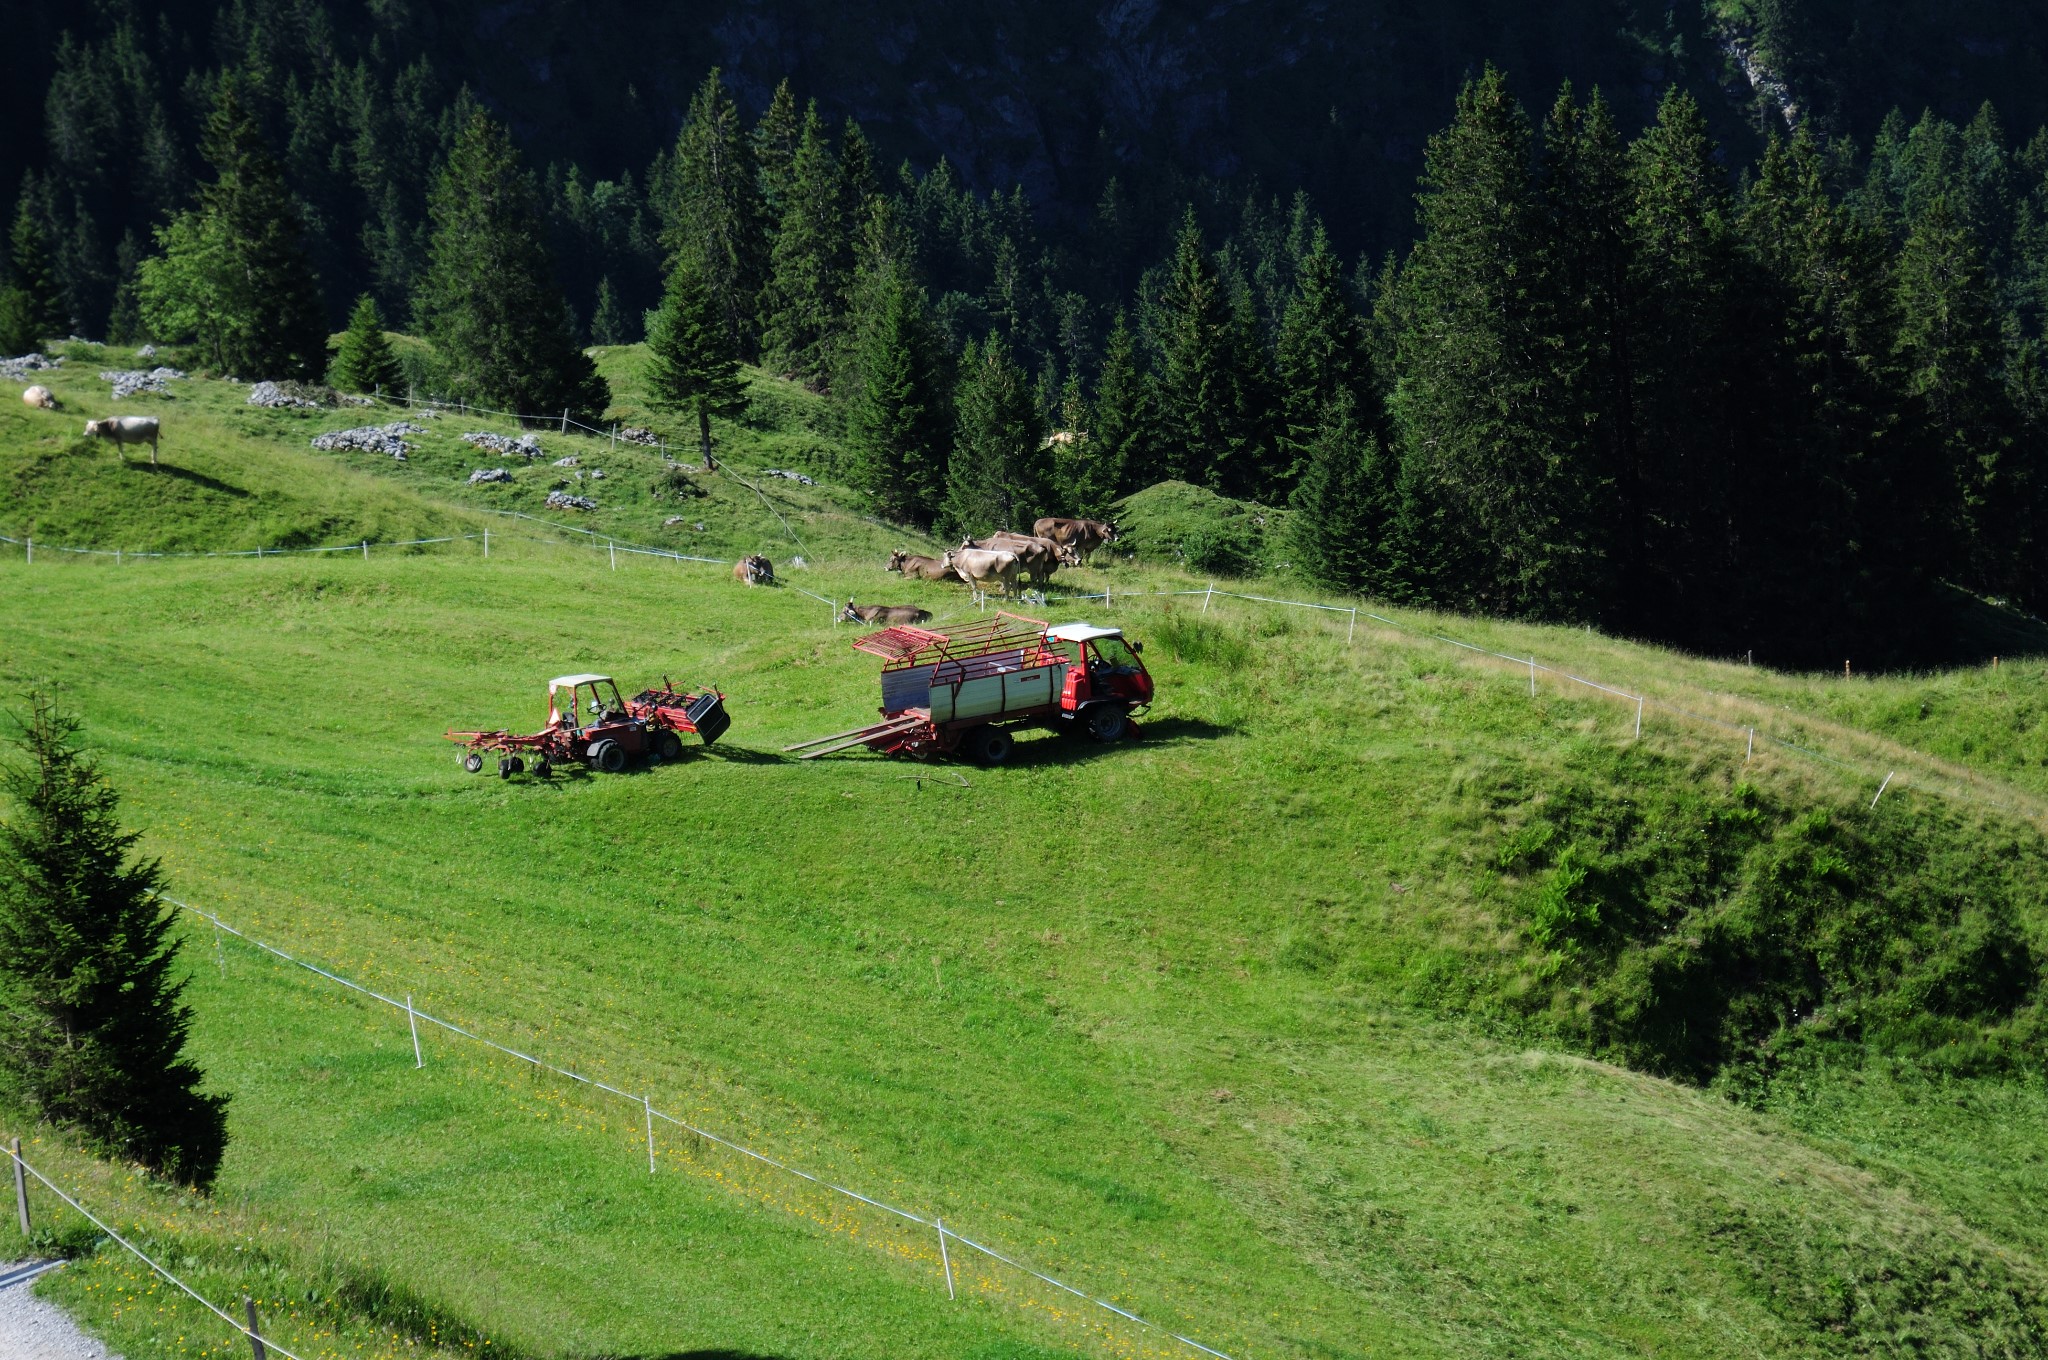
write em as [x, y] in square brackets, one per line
[1106, 677]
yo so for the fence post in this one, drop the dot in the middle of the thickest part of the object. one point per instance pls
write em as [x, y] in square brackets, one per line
[117, 562]
[413, 1023]
[1532, 677]
[647, 1105]
[1881, 788]
[1752, 746]
[255, 1332]
[487, 541]
[1207, 596]
[565, 420]
[219, 955]
[366, 550]
[615, 553]
[945, 1259]
[31, 550]
[1639, 717]
[1351, 629]
[20, 1188]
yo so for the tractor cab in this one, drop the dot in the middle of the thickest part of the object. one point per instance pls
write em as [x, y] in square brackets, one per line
[584, 701]
[1112, 665]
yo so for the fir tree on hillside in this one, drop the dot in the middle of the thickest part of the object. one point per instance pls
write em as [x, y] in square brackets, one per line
[716, 209]
[363, 361]
[899, 415]
[775, 140]
[1321, 353]
[234, 273]
[608, 322]
[998, 475]
[691, 365]
[92, 1032]
[1122, 453]
[1201, 416]
[1341, 530]
[805, 304]
[488, 299]
[31, 300]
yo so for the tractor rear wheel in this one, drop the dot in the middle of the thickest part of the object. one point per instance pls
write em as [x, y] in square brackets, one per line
[1106, 722]
[988, 745]
[668, 745]
[606, 755]
[473, 761]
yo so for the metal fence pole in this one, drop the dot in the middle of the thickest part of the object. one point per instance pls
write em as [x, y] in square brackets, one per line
[615, 554]
[20, 1188]
[412, 1021]
[31, 550]
[647, 1105]
[1207, 596]
[565, 420]
[1639, 717]
[945, 1259]
[1351, 629]
[255, 1332]
[1881, 788]
[1752, 746]
[487, 541]
[366, 550]
[1532, 677]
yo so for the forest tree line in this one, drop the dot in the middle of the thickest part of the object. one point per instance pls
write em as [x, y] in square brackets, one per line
[1777, 410]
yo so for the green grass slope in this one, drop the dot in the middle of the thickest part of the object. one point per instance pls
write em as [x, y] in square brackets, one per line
[1278, 1026]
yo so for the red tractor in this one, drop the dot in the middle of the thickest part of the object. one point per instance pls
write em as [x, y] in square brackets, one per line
[962, 692]
[589, 723]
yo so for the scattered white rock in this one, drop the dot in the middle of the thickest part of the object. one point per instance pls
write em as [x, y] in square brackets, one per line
[570, 461]
[482, 475]
[388, 439]
[146, 352]
[789, 476]
[672, 521]
[635, 434]
[20, 367]
[796, 562]
[562, 500]
[281, 395]
[597, 474]
[525, 446]
[129, 382]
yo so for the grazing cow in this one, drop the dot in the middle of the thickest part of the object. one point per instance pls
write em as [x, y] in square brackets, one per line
[1037, 558]
[982, 568]
[888, 614]
[126, 430]
[923, 568]
[40, 397]
[754, 570]
[1084, 536]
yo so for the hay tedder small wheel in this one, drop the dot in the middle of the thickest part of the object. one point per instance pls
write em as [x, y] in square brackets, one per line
[606, 755]
[543, 768]
[509, 766]
[473, 761]
[668, 746]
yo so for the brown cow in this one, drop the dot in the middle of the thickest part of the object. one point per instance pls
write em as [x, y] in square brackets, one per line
[1062, 554]
[890, 614]
[1084, 536]
[1038, 558]
[923, 568]
[754, 570]
[983, 568]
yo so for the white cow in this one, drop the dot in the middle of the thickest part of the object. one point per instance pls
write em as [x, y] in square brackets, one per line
[982, 568]
[126, 430]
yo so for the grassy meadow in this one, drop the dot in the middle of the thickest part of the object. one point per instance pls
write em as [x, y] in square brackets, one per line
[1245, 1026]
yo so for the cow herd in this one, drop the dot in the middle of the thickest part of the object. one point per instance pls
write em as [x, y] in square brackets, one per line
[996, 562]
[117, 430]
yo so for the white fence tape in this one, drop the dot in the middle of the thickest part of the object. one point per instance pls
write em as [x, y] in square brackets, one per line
[645, 1102]
[145, 1257]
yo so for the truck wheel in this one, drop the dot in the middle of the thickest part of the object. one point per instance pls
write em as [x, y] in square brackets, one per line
[606, 755]
[668, 746]
[473, 762]
[1106, 722]
[988, 745]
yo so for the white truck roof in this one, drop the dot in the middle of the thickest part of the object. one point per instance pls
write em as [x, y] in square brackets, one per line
[570, 680]
[1081, 632]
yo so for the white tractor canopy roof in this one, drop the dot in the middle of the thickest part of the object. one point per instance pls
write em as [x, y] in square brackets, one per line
[570, 681]
[1081, 632]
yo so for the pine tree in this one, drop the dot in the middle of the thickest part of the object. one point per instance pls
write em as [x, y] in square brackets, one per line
[859, 184]
[608, 323]
[899, 418]
[775, 140]
[234, 274]
[1480, 509]
[364, 361]
[1322, 353]
[488, 300]
[124, 321]
[1122, 452]
[805, 303]
[1201, 403]
[717, 212]
[997, 477]
[92, 1031]
[1341, 525]
[691, 366]
[32, 272]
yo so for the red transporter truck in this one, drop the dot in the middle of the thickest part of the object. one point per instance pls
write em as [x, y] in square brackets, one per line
[962, 692]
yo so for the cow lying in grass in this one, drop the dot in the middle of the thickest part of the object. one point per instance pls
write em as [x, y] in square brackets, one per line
[923, 568]
[126, 430]
[888, 615]
[754, 570]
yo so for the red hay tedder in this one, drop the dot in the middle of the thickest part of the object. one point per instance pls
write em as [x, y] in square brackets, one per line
[589, 723]
[961, 692]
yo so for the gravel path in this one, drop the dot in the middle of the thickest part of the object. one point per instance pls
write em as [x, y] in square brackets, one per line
[36, 1329]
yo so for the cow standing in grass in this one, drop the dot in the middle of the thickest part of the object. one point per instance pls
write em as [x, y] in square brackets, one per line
[126, 430]
[1084, 536]
[983, 569]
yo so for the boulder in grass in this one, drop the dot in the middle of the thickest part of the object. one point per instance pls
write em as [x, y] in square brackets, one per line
[635, 434]
[483, 475]
[19, 367]
[286, 395]
[385, 439]
[134, 382]
[525, 446]
[570, 461]
[562, 500]
[787, 475]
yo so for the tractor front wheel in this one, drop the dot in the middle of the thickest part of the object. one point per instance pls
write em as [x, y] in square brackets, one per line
[473, 761]
[668, 745]
[1106, 722]
[988, 745]
[606, 755]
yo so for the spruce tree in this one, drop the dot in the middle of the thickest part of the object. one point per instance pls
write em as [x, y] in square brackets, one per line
[899, 418]
[32, 273]
[364, 362]
[1123, 451]
[859, 184]
[488, 300]
[608, 323]
[1322, 353]
[1196, 333]
[997, 477]
[775, 140]
[1341, 525]
[692, 368]
[805, 303]
[717, 213]
[234, 273]
[92, 1031]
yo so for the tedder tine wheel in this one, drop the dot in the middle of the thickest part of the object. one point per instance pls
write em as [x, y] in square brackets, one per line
[473, 761]
[543, 768]
[1107, 722]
